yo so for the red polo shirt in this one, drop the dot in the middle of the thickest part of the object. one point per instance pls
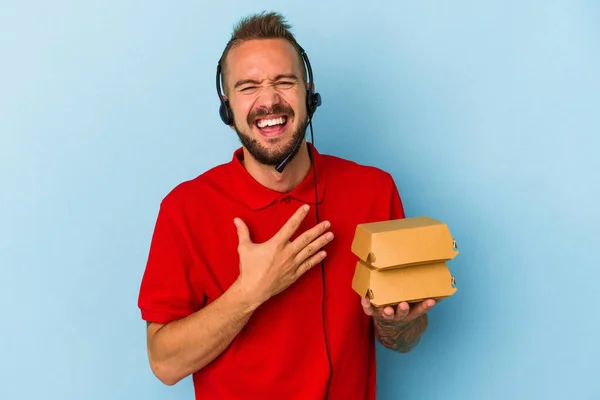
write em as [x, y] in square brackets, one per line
[281, 352]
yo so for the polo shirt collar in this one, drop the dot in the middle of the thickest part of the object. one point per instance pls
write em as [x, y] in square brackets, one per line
[257, 196]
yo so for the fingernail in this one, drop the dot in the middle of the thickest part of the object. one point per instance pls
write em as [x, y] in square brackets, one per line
[236, 222]
[306, 207]
[329, 236]
[327, 224]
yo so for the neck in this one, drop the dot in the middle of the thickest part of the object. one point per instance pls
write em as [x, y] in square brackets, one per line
[295, 171]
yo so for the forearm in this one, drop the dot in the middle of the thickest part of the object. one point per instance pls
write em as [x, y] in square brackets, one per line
[183, 347]
[400, 336]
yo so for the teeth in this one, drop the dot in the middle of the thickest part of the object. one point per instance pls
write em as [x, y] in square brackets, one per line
[270, 122]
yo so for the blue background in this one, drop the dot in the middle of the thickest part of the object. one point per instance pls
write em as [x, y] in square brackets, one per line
[486, 113]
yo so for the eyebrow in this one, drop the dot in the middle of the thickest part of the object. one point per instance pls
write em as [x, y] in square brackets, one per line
[244, 82]
[255, 82]
[286, 76]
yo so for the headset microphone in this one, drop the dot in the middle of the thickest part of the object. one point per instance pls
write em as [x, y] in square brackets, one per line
[288, 158]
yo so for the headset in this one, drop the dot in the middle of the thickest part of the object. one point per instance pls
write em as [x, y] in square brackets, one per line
[313, 100]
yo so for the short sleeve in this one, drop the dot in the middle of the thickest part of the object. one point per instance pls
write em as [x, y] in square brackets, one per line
[165, 292]
[396, 207]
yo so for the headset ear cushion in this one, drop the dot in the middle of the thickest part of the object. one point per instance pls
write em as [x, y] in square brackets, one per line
[317, 100]
[314, 101]
[225, 113]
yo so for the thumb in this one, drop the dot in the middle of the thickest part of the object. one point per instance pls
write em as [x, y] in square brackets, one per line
[242, 231]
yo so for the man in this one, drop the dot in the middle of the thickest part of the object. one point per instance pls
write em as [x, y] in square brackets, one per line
[244, 288]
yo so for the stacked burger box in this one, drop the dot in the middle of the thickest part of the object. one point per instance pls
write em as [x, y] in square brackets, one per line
[403, 260]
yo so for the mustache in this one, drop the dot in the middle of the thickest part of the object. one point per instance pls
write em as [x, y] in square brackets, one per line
[265, 112]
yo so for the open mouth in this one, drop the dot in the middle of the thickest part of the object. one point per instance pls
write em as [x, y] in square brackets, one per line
[272, 125]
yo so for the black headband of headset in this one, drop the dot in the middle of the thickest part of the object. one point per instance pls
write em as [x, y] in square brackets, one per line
[313, 100]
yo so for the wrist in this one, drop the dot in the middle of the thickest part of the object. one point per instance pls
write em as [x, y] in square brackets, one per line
[248, 299]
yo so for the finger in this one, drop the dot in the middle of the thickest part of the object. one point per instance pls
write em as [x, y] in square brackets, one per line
[313, 247]
[311, 262]
[387, 313]
[367, 306]
[242, 231]
[421, 308]
[291, 226]
[305, 240]
[402, 311]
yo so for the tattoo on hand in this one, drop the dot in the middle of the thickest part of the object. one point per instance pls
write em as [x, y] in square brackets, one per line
[401, 336]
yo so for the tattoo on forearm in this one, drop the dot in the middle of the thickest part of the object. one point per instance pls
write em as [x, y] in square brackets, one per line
[398, 335]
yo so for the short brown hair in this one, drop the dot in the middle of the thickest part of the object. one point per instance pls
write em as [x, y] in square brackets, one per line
[265, 25]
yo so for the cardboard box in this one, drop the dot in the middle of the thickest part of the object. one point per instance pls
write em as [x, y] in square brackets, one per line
[403, 260]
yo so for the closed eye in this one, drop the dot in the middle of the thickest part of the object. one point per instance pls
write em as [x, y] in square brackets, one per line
[248, 89]
[285, 84]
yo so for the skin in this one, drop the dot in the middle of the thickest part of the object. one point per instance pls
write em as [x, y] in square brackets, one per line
[182, 347]
[400, 328]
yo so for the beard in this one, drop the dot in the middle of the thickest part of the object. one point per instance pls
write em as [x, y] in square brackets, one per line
[271, 157]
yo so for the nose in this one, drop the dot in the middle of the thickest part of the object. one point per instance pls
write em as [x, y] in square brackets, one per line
[268, 97]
